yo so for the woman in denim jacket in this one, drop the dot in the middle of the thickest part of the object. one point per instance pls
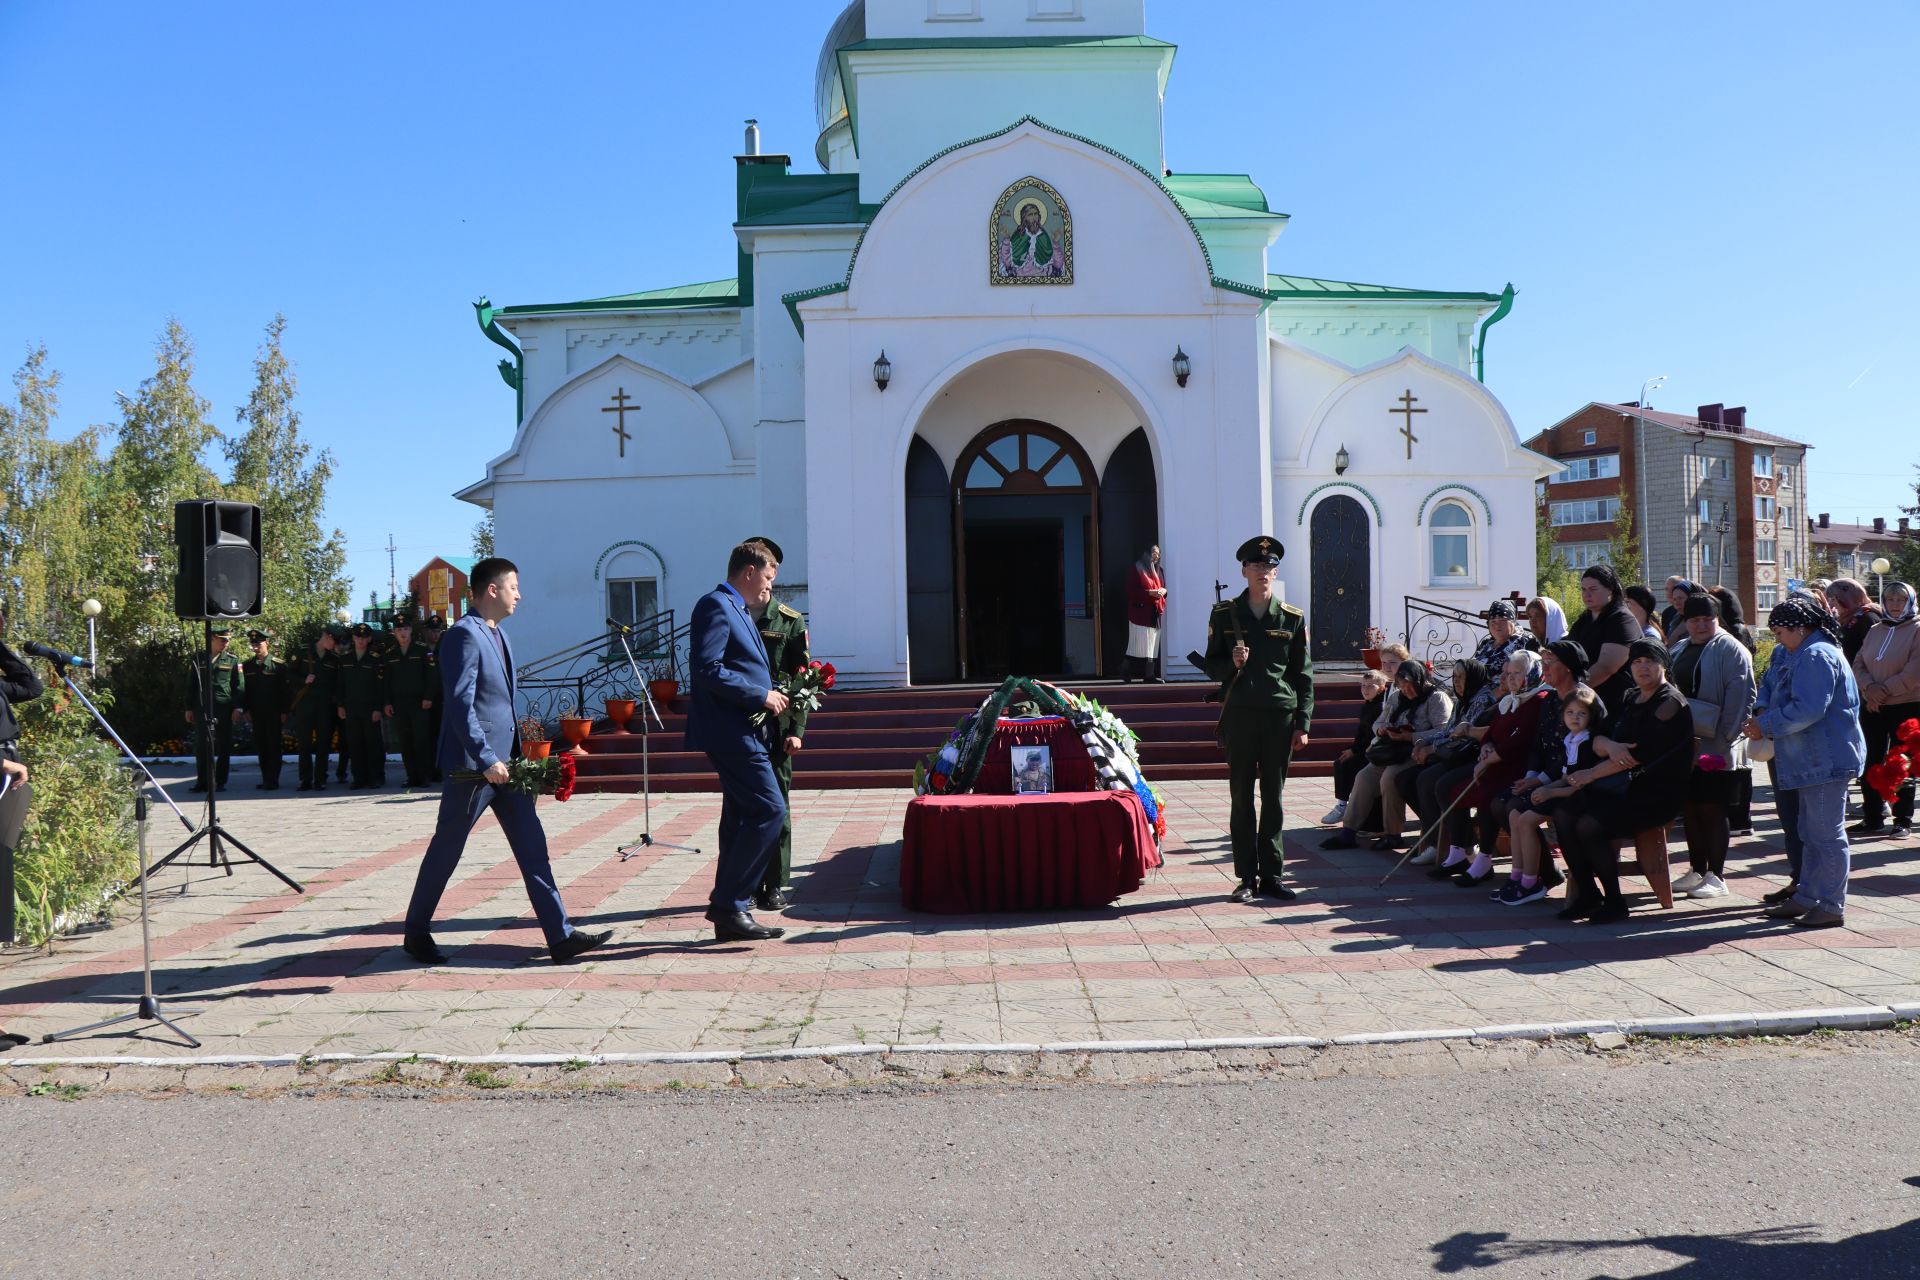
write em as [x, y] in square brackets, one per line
[1810, 706]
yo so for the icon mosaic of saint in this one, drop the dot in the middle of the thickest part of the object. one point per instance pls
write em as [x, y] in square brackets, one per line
[1032, 240]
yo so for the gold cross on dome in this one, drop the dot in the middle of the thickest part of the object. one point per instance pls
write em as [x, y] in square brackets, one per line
[622, 408]
[1407, 401]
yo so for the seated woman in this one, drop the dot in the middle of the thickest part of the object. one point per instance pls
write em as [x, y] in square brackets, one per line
[1449, 750]
[1503, 637]
[1649, 739]
[1501, 759]
[1347, 766]
[1546, 620]
[1526, 819]
[1640, 604]
[1415, 705]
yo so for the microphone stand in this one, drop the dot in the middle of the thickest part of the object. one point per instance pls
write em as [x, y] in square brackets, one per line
[217, 836]
[148, 1009]
[647, 709]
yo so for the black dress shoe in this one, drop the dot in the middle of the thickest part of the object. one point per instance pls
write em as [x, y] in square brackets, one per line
[771, 900]
[1781, 894]
[421, 947]
[1606, 913]
[1341, 839]
[198, 786]
[578, 943]
[1270, 887]
[738, 926]
[1242, 892]
[305, 786]
[13, 1040]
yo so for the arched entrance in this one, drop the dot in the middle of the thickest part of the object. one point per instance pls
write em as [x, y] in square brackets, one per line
[1342, 566]
[1026, 522]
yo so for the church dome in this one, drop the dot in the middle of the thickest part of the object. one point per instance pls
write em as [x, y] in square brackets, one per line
[829, 95]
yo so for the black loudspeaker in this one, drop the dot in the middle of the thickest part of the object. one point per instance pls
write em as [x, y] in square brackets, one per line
[219, 546]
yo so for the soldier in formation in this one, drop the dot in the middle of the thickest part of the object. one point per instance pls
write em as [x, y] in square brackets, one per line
[413, 687]
[312, 681]
[1257, 649]
[213, 744]
[266, 705]
[362, 699]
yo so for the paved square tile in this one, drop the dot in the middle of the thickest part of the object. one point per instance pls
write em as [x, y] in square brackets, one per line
[274, 972]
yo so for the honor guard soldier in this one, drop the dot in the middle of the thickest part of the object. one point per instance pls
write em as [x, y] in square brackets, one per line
[266, 704]
[312, 686]
[1257, 649]
[784, 632]
[223, 671]
[413, 686]
[436, 627]
[363, 694]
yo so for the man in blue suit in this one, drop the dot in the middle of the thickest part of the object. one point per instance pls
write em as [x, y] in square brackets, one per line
[732, 682]
[479, 734]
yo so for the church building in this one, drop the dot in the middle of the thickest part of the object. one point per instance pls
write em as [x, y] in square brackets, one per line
[993, 348]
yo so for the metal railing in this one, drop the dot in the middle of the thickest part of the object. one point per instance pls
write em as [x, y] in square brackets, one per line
[583, 676]
[1445, 633]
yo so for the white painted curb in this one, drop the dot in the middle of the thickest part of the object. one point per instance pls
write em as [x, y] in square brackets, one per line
[1789, 1022]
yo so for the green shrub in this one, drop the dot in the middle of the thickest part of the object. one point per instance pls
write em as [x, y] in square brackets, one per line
[1763, 650]
[77, 848]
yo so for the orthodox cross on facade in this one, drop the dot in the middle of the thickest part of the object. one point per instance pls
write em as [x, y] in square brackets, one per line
[1407, 401]
[622, 408]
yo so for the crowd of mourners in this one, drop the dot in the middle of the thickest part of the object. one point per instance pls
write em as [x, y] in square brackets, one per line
[1558, 743]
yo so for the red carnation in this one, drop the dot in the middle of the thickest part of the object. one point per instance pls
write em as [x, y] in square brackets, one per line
[1885, 780]
[830, 670]
[1908, 732]
[1710, 763]
[563, 790]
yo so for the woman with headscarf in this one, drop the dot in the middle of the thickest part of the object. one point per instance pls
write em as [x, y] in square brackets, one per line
[1715, 673]
[1809, 706]
[18, 683]
[1415, 706]
[1649, 740]
[1733, 618]
[1547, 620]
[1146, 603]
[1887, 670]
[1605, 630]
[1450, 749]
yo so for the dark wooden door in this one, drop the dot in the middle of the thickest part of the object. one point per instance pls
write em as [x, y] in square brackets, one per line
[1342, 560]
[931, 657]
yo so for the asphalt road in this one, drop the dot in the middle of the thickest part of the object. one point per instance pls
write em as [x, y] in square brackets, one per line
[1791, 1165]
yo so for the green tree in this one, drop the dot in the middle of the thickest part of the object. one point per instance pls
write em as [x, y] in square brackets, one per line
[303, 567]
[483, 536]
[1552, 575]
[47, 488]
[1623, 548]
[1906, 560]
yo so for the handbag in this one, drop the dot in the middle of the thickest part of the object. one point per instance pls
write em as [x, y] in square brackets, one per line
[1384, 751]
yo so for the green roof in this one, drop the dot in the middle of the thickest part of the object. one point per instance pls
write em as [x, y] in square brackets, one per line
[1348, 291]
[779, 199]
[714, 295]
[1219, 195]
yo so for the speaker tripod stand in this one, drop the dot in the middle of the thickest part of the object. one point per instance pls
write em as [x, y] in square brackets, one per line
[218, 838]
[648, 711]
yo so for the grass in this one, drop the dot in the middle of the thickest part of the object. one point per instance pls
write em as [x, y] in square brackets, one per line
[575, 1064]
[485, 1078]
[54, 1089]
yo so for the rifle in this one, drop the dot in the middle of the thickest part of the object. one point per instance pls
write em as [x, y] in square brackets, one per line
[1199, 659]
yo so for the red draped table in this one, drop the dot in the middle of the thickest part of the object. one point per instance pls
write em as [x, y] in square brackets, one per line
[975, 853]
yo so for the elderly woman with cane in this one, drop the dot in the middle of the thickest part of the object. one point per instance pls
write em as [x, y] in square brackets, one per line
[1809, 707]
[18, 683]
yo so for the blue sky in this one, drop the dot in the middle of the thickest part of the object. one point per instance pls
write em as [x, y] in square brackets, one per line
[1717, 192]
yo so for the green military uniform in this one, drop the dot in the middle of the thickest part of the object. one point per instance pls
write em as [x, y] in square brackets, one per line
[1268, 701]
[363, 696]
[413, 687]
[229, 688]
[784, 631]
[266, 704]
[312, 682]
[436, 627]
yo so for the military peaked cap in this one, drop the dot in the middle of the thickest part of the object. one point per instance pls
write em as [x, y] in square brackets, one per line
[1262, 550]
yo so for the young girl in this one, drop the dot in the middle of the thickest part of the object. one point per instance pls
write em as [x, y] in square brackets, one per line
[1523, 825]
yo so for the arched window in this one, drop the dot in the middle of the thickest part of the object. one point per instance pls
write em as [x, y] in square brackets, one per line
[1450, 545]
[1022, 458]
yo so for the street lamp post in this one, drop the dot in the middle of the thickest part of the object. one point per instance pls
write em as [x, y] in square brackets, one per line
[1881, 567]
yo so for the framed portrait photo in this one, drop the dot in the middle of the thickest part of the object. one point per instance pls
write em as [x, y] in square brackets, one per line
[1032, 770]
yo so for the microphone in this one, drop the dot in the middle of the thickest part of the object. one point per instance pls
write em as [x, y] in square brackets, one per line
[60, 656]
[621, 627]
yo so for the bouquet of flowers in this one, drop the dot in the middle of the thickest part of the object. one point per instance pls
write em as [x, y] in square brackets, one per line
[803, 689]
[553, 776]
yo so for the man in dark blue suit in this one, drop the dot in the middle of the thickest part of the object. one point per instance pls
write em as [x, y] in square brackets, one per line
[479, 734]
[732, 682]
